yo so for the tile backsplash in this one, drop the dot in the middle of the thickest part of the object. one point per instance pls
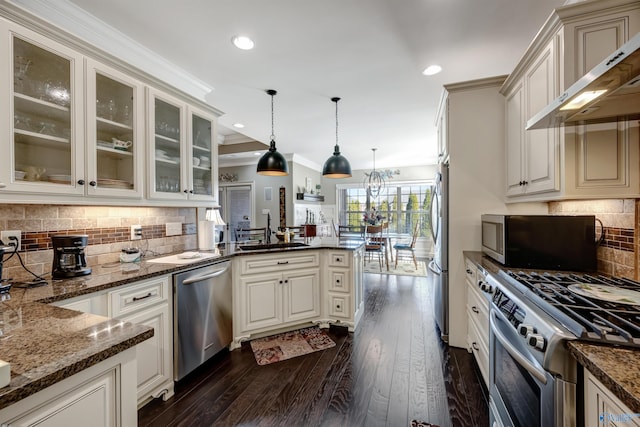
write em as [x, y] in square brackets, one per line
[108, 229]
[618, 253]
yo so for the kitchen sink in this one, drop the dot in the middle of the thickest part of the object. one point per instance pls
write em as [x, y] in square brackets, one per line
[263, 246]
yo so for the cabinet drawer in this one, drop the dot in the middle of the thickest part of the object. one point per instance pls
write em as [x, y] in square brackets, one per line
[340, 305]
[255, 264]
[480, 349]
[339, 259]
[471, 271]
[339, 281]
[478, 310]
[131, 298]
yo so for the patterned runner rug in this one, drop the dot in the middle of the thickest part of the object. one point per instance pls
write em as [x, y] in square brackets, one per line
[404, 268]
[290, 344]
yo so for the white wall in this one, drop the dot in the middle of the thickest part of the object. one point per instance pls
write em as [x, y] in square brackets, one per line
[476, 185]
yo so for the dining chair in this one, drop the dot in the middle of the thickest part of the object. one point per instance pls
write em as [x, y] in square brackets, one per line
[373, 243]
[408, 248]
[258, 235]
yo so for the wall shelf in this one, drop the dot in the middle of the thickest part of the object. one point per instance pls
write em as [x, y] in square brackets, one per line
[310, 197]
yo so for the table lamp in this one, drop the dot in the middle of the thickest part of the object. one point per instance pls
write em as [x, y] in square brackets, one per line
[207, 236]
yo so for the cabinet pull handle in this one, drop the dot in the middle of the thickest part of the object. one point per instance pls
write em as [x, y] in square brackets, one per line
[81, 182]
[469, 271]
[281, 282]
[338, 259]
[283, 262]
[475, 309]
[150, 294]
[93, 183]
[337, 280]
[185, 191]
[286, 280]
[475, 346]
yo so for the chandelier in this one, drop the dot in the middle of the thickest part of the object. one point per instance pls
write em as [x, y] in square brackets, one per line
[374, 181]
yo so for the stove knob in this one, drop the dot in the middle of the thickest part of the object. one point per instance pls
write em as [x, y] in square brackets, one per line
[537, 341]
[525, 330]
[485, 287]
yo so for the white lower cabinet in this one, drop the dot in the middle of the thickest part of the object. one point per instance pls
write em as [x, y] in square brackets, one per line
[602, 408]
[276, 292]
[149, 303]
[477, 320]
[101, 395]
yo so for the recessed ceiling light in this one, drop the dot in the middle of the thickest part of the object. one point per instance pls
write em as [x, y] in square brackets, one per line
[243, 42]
[431, 70]
[238, 125]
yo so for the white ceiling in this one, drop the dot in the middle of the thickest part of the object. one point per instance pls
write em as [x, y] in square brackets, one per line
[368, 52]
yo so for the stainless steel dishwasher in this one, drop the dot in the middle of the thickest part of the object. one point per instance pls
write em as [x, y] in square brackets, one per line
[202, 315]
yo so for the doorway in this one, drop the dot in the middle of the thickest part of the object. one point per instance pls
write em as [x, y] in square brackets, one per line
[237, 207]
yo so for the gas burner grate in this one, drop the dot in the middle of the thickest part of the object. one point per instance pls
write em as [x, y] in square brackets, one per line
[588, 318]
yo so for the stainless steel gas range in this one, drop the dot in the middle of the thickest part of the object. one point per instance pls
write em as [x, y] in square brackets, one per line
[533, 378]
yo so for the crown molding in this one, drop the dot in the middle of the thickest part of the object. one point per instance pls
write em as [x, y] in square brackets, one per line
[68, 17]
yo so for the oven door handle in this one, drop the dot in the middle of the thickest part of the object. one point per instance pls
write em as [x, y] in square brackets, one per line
[537, 372]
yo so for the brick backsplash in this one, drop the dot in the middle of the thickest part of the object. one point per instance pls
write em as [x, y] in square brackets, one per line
[108, 229]
[618, 252]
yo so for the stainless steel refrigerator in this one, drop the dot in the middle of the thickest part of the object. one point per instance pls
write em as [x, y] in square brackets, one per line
[439, 266]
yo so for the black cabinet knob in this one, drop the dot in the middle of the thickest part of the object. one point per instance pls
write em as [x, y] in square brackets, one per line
[93, 183]
[185, 191]
[81, 182]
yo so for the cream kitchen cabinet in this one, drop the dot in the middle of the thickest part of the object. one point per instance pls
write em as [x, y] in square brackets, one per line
[477, 319]
[602, 408]
[149, 303]
[575, 161]
[101, 395]
[274, 291]
[182, 150]
[41, 114]
[532, 156]
[342, 278]
[115, 133]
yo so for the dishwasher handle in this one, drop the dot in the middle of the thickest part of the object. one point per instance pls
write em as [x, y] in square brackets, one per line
[197, 279]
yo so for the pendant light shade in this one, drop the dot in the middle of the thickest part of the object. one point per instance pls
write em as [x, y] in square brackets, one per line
[272, 163]
[374, 182]
[336, 166]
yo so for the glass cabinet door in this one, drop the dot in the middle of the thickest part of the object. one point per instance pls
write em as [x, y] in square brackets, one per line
[166, 125]
[113, 127]
[44, 88]
[203, 156]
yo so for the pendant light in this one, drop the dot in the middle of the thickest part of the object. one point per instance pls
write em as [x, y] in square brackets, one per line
[272, 163]
[336, 166]
[374, 181]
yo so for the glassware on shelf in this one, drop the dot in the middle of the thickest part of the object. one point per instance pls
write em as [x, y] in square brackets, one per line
[21, 66]
[47, 128]
[22, 122]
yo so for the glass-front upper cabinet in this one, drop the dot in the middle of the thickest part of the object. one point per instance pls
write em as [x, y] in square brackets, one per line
[115, 132]
[41, 106]
[167, 168]
[204, 155]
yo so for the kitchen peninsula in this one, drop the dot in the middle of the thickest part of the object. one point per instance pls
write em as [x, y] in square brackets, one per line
[47, 345]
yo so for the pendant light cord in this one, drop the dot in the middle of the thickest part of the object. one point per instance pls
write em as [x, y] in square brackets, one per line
[273, 136]
[337, 99]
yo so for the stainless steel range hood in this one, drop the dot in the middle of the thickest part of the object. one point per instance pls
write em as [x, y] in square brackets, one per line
[617, 82]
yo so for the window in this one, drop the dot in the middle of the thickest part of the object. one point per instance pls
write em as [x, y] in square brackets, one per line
[401, 204]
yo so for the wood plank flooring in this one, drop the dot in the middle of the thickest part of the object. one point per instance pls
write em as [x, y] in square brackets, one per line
[393, 369]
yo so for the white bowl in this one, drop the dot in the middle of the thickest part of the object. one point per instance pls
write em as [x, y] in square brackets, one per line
[19, 174]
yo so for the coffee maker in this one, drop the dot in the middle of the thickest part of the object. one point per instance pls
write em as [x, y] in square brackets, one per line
[68, 256]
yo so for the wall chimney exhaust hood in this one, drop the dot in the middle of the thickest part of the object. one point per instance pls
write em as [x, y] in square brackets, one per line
[607, 93]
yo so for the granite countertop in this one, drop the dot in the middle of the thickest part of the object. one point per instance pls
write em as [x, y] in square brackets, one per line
[615, 367]
[45, 344]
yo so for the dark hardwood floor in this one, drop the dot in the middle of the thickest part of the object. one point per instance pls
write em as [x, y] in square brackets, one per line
[393, 369]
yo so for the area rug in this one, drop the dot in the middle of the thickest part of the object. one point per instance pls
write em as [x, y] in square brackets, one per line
[290, 344]
[404, 268]
[417, 423]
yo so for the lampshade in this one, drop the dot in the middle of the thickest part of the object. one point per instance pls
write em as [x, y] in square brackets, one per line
[213, 215]
[336, 166]
[272, 163]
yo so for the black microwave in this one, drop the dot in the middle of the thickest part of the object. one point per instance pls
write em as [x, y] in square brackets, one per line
[553, 242]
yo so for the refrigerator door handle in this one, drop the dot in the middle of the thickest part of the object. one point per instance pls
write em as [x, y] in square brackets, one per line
[434, 203]
[434, 268]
